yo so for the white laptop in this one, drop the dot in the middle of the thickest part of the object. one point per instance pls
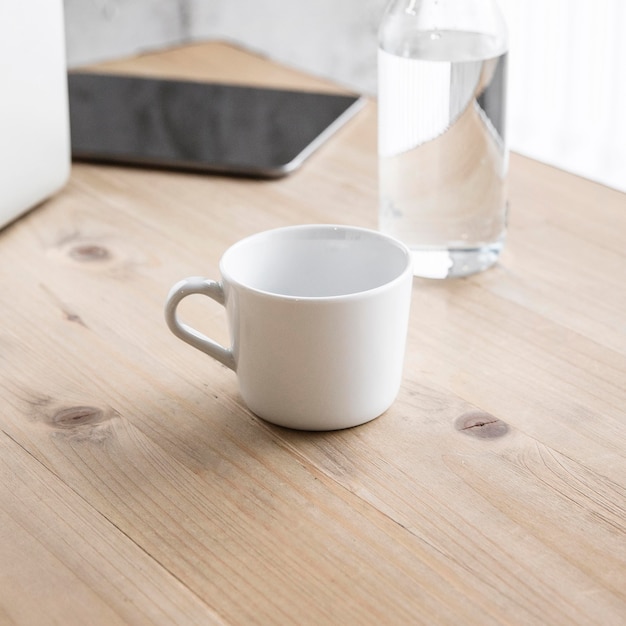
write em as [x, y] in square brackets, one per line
[34, 120]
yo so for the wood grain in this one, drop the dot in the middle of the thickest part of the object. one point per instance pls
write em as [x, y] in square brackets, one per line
[61, 560]
[136, 488]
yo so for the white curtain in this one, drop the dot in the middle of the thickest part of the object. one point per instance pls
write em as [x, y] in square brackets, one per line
[567, 84]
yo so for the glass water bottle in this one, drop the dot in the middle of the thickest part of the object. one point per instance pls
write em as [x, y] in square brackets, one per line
[441, 132]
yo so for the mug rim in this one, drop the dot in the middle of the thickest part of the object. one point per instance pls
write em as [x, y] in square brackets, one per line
[407, 267]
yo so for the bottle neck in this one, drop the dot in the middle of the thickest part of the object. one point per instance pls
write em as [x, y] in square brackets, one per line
[470, 16]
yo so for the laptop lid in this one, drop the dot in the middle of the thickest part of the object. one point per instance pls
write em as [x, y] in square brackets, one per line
[34, 123]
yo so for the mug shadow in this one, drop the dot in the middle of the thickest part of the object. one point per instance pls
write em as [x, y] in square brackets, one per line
[221, 429]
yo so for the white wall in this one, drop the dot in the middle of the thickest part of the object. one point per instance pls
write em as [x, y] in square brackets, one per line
[332, 38]
[98, 30]
[567, 79]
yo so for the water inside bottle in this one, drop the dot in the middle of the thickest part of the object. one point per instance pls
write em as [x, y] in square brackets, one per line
[442, 153]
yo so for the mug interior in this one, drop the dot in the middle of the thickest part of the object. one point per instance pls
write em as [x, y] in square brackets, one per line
[315, 261]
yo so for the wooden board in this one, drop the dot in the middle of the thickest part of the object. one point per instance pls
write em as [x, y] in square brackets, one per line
[136, 487]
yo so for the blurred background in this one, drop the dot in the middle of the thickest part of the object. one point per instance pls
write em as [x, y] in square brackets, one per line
[567, 63]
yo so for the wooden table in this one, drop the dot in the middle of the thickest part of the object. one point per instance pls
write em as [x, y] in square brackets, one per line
[135, 487]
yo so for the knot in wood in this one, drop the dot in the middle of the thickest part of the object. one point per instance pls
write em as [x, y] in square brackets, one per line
[86, 253]
[76, 416]
[481, 424]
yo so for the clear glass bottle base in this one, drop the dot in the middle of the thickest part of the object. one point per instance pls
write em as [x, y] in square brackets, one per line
[453, 263]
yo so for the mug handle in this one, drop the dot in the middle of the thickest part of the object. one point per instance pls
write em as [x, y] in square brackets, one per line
[205, 287]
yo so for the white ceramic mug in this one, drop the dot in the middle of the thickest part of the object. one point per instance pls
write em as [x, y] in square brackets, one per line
[318, 318]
